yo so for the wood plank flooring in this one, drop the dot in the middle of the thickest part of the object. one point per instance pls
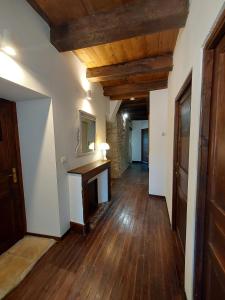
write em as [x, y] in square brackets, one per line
[129, 254]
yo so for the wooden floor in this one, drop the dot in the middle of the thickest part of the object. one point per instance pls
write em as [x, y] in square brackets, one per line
[129, 255]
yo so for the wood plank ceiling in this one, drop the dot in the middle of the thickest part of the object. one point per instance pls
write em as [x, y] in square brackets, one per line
[127, 45]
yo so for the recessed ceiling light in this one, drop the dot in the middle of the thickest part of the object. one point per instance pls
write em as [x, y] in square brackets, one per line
[9, 50]
[132, 98]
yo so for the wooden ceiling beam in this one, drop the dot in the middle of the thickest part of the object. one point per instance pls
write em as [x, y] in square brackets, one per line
[136, 106]
[129, 95]
[133, 89]
[161, 63]
[132, 110]
[135, 113]
[138, 18]
[138, 113]
[129, 106]
[139, 118]
[135, 101]
[140, 100]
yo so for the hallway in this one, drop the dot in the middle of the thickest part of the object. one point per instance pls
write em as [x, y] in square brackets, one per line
[129, 255]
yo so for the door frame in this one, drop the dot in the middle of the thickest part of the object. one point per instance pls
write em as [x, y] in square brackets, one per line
[182, 91]
[204, 151]
[19, 168]
[142, 133]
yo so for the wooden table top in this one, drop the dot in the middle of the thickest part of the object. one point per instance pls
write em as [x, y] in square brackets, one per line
[83, 170]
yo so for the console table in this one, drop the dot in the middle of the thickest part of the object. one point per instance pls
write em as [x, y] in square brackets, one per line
[79, 183]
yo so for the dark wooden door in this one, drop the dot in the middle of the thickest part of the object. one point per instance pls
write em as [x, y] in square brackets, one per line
[182, 136]
[214, 245]
[144, 146]
[12, 213]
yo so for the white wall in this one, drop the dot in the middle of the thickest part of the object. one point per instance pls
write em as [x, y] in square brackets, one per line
[39, 67]
[76, 199]
[37, 143]
[103, 187]
[136, 138]
[158, 142]
[187, 57]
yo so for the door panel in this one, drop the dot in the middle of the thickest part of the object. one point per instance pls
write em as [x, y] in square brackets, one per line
[145, 147]
[181, 161]
[12, 216]
[184, 132]
[184, 113]
[214, 247]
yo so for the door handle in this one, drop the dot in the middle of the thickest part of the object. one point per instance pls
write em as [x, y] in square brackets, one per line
[14, 175]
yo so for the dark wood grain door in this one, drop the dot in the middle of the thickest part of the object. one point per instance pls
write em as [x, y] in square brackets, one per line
[182, 136]
[214, 248]
[12, 216]
[144, 147]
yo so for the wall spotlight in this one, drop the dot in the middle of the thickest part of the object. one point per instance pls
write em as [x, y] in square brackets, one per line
[89, 98]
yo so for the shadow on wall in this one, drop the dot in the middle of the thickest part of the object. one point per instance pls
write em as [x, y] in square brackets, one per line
[118, 136]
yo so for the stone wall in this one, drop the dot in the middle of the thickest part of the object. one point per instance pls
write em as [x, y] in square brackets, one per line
[118, 136]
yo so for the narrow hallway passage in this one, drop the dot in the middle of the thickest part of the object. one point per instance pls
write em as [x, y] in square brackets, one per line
[129, 255]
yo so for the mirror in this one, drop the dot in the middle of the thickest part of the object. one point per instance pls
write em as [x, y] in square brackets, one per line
[87, 133]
